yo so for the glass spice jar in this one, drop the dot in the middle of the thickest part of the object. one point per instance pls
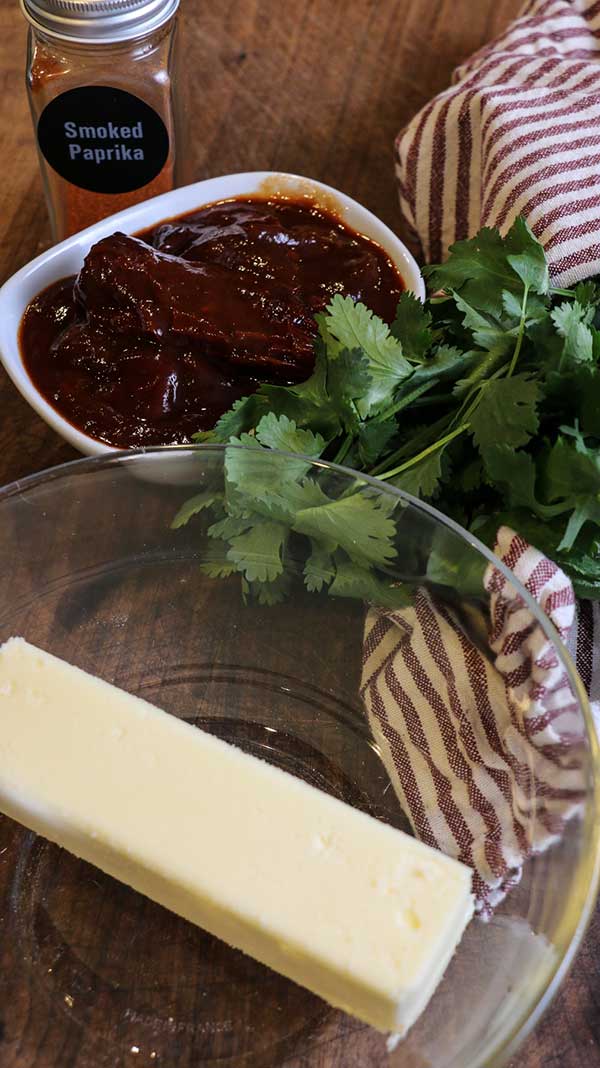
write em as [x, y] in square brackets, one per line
[101, 84]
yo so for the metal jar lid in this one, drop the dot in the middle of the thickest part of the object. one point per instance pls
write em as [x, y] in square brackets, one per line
[98, 21]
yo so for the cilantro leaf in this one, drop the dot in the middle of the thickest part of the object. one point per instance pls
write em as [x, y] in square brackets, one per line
[240, 417]
[446, 364]
[270, 593]
[485, 266]
[348, 379]
[471, 476]
[319, 568]
[279, 432]
[193, 506]
[536, 307]
[453, 563]
[307, 403]
[373, 440]
[573, 474]
[359, 524]
[487, 332]
[359, 582]
[572, 467]
[214, 560]
[526, 256]
[585, 510]
[229, 526]
[282, 500]
[412, 327]
[257, 553]
[507, 412]
[254, 469]
[355, 327]
[480, 265]
[322, 419]
[423, 478]
[547, 345]
[483, 366]
[587, 293]
[515, 472]
[572, 323]
[314, 389]
[267, 593]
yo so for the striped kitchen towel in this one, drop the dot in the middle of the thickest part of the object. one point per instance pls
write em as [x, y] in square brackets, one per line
[483, 750]
[518, 133]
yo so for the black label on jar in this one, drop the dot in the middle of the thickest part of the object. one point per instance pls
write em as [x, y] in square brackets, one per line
[103, 139]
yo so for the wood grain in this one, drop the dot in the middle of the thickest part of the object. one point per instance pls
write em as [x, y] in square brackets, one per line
[317, 87]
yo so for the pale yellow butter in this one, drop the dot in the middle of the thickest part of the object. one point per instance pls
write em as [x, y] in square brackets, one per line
[356, 911]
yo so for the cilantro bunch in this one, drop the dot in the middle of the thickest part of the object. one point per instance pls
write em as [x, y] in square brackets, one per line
[484, 400]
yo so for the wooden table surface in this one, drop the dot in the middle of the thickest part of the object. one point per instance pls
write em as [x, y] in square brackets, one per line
[317, 87]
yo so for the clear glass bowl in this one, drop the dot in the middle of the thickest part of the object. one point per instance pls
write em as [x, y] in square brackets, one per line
[93, 974]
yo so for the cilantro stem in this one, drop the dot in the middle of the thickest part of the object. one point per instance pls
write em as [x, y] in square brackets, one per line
[520, 332]
[343, 450]
[439, 444]
[404, 402]
[466, 415]
[438, 398]
[469, 403]
[466, 409]
[427, 434]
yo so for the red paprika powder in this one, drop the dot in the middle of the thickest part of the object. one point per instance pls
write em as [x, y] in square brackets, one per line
[101, 82]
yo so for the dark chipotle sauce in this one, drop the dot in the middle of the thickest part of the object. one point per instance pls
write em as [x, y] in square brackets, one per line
[159, 334]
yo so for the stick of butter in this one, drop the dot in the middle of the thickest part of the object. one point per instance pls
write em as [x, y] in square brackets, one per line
[360, 913]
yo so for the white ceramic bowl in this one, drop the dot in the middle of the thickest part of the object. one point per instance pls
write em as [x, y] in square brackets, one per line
[67, 258]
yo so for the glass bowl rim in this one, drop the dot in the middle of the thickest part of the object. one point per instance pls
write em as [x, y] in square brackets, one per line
[589, 869]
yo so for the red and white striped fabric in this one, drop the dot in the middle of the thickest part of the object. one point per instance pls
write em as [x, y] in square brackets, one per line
[517, 133]
[482, 746]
